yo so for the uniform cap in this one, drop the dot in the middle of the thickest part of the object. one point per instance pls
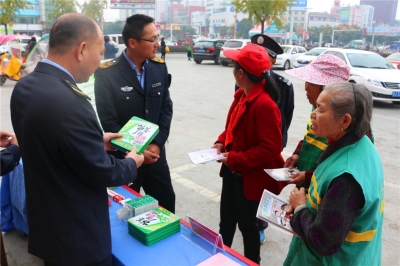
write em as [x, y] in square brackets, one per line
[253, 58]
[272, 47]
[324, 70]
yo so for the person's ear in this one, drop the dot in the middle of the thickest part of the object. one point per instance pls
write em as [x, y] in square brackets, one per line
[346, 121]
[132, 43]
[80, 50]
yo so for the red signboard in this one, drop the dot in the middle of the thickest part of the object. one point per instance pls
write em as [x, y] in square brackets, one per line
[306, 35]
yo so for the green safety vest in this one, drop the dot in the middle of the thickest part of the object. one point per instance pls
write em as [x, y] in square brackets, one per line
[311, 149]
[363, 244]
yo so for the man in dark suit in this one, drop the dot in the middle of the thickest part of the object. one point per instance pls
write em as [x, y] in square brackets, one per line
[137, 84]
[66, 166]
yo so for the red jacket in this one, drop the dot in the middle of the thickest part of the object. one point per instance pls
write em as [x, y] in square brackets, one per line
[257, 140]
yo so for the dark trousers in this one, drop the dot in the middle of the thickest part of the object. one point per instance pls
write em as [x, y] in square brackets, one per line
[236, 209]
[163, 56]
[156, 182]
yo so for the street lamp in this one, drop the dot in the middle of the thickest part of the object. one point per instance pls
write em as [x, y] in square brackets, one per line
[201, 23]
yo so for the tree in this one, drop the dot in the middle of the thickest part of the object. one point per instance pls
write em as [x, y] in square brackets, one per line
[226, 31]
[94, 9]
[272, 10]
[62, 7]
[347, 36]
[245, 26]
[113, 27]
[8, 10]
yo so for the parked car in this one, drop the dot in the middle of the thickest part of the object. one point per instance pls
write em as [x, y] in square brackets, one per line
[208, 49]
[233, 44]
[169, 43]
[394, 59]
[308, 57]
[372, 70]
[290, 53]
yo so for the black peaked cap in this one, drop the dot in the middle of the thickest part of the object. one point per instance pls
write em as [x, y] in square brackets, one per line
[272, 47]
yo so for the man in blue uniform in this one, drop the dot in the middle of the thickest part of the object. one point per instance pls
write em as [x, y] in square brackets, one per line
[137, 84]
[286, 102]
[66, 166]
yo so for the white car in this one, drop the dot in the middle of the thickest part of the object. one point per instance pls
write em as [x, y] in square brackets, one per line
[290, 53]
[169, 43]
[232, 44]
[372, 70]
[308, 57]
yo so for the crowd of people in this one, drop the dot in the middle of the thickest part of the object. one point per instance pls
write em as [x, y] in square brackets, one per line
[69, 161]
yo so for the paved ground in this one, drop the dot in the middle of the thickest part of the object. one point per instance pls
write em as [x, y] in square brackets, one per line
[202, 95]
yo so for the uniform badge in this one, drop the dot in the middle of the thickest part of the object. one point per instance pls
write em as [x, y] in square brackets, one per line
[260, 40]
[156, 85]
[126, 88]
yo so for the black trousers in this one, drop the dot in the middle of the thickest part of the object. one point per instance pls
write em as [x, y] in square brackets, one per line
[156, 182]
[236, 209]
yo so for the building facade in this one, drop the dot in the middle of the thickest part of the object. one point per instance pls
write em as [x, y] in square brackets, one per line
[28, 21]
[368, 15]
[351, 15]
[299, 18]
[385, 10]
[317, 19]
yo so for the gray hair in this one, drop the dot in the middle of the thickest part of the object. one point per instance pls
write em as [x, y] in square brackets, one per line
[352, 99]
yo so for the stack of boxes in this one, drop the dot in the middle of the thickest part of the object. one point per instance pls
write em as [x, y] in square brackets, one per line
[153, 226]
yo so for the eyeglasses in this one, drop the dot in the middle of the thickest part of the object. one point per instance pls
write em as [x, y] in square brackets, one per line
[147, 40]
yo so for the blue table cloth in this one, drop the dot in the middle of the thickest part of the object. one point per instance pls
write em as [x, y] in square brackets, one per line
[173, 250]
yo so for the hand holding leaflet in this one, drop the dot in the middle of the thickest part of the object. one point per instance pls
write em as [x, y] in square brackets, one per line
[205, 156]
[282, 174]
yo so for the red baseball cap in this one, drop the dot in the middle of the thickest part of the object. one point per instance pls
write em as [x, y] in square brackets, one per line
[253, 58]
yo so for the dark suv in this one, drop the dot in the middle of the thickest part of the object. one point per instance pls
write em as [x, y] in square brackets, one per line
[207, 50]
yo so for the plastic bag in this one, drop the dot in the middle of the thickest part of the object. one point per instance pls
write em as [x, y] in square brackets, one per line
[166, 49]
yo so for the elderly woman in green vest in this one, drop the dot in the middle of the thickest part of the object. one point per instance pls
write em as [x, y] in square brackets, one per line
[339, 220]
[324, 70]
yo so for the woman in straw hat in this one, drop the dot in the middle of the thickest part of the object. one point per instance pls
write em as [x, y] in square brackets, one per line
[251, 142]
[326, 69]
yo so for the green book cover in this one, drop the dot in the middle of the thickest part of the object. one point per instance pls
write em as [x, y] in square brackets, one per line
[152, 221]
[136, 132]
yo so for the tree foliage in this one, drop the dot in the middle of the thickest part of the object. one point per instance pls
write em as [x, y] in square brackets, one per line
[245, 26]
[113, 27]
[226, 31]
[272, 10]
[62, 7]
[94, 9]
[8, 10]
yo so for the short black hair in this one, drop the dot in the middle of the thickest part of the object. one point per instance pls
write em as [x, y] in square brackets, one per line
[106, 38]
[70, 30]
[134, 26]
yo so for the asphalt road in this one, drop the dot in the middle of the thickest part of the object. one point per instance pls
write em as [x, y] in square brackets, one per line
[202, 94]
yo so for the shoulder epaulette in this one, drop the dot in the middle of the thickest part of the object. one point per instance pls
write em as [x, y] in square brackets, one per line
[284, 80]
[108, 63]
[158, 60]
[76, 89]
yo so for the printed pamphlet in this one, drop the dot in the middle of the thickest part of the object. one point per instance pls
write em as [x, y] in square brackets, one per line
[282, 174]
[276, 211]
[205, 156]
[218, 259]
[136, 132]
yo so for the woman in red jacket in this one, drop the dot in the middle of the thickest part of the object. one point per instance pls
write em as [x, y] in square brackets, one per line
[251, 142]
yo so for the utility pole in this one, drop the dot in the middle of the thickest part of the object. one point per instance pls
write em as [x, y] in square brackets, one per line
[234, 27]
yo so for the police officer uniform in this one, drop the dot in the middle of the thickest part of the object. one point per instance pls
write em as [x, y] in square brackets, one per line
[286, 102]
[119, 96]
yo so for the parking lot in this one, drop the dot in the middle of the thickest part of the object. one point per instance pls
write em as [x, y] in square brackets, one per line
[202, 94]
